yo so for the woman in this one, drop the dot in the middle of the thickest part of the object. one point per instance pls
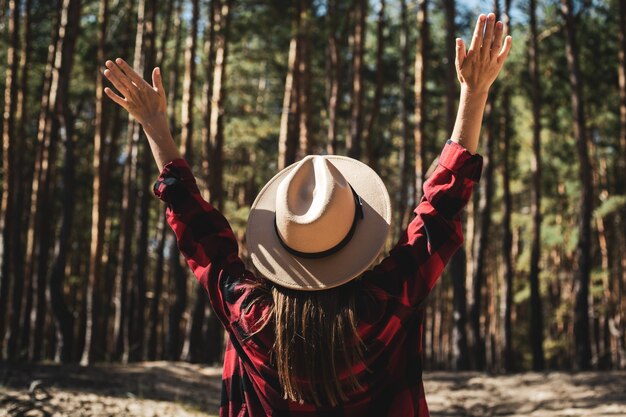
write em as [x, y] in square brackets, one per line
[314, 332]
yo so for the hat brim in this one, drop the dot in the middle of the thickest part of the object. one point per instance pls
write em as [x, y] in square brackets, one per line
[276, 264]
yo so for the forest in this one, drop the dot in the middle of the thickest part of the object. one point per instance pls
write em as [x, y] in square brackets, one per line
[90, 271]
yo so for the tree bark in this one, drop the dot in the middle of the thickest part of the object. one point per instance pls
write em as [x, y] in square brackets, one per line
[8, 190]
[21, 186]
[34, 194]
[64, 320]
[196, 341]
[137, 336]
[98, 208]
[460, 350]
[188, 85]
[368, 134]
[421, 58]
[305, 139]
[353, 144]
[583, 250]
[222, 23]
[536, 313]
[286, 145]
[407, 173]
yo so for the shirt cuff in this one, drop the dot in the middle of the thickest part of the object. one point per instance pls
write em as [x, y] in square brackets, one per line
[174, 173]
[456, 158]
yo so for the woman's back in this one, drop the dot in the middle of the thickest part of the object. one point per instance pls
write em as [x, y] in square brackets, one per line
[389, 303]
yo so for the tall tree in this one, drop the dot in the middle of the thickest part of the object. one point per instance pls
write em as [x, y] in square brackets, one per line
[419, 130]
[188, 84]
[333, 73]
[178, 274]
[482, 232]
[137, 336]
[353, 142]
[8, 144]
[305, 138]
[405, 161]
[583, 250]
[33, 220]
[287, 139]
[368, 133]
[17, 241]
[222, 18]
[98, 208]
[123, 302]
[64, 321]
[457, 263]
[536, 314]
[222, 24]
[196, 341]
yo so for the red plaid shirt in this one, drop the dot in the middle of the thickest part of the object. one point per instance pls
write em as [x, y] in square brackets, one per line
[400, 284]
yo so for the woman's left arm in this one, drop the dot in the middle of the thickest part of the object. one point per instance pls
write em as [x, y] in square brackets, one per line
[147, 104]
[203, 235]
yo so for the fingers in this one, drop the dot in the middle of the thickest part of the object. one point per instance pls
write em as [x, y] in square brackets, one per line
[460, 53]
[508, 41]
[477, 38]
[497, 40]
[485, 47]
[136, 78]
[119, 80]
[157, 81]
[117, 99]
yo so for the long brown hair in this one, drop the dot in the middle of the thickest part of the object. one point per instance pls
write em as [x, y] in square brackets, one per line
[316, 339]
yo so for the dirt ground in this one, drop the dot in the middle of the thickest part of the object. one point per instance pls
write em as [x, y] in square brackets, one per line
[163, 389]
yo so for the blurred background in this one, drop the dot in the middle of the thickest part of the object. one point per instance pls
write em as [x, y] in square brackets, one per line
[90, 270]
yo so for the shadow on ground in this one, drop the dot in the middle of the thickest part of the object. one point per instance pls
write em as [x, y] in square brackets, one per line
[160, 388]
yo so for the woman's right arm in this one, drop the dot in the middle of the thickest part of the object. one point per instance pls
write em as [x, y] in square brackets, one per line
[435, 234]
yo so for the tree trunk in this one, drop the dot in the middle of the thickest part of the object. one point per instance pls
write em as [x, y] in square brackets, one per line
[305, 139]
[35, 191]
[405, 161]
[621, 183]
[19, 222]
[536, 313]
[8, 190]
[583, 250]
[188, 85]
[98, 208]
[286, 145]
[421, 58]
[222, 23]
[333, 77]
[137, 336]
[481, 237]
[197, 318]
[64, 320]
[460, 358]
[123, 299]
[368, 134]
[356, 113]
[207, 90]
[177, 273]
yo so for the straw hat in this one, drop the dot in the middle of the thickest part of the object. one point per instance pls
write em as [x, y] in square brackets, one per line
[318, 223]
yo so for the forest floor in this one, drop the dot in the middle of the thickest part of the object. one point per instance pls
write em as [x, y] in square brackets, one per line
[163, 389]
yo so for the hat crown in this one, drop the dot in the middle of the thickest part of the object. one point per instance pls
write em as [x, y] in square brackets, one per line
[315, 206]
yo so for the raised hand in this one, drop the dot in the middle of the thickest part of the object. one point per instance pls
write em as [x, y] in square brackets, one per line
[147, 104]
[143, 101]
[478, 68]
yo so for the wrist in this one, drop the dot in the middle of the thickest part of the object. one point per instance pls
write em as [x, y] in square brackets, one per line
[474, 93]
[153, 119]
